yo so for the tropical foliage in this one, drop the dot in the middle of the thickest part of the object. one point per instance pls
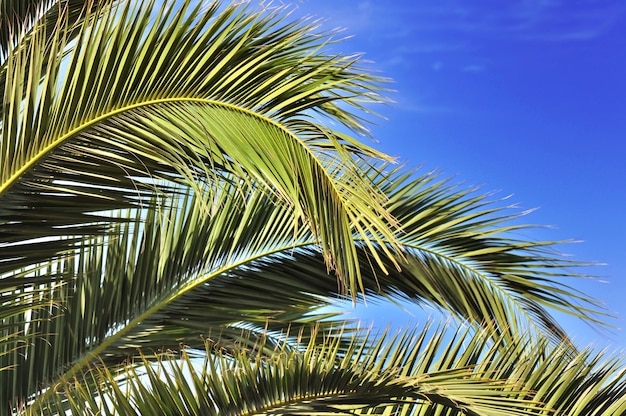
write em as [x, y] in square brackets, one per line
[185, 188]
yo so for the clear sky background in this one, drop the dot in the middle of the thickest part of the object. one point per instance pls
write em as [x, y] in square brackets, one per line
[523, 97]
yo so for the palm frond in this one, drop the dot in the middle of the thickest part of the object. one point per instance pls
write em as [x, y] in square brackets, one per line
[184, 276]
[463, 253]
[315, 379]
[167, 181]
[144, 285]
[87, 131]
[18, 18]
[110, 107]
[430, 371]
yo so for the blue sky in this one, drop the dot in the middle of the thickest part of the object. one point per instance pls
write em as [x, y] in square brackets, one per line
[524, 97]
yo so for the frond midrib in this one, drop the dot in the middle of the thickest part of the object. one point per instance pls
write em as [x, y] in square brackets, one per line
[156, 307]
[194, 283]
[94, 121]
[352, 392]
[476, 272]
[277, 404]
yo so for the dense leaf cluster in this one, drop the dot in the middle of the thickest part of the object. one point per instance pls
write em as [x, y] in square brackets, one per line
[184, 190]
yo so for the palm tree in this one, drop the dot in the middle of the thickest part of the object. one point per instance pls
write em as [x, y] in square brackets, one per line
[183, 192]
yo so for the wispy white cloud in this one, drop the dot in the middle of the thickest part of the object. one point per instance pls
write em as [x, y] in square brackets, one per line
[364, 6]
[424, 109]
[550, 20]
[473, 68]
[539, 20]
[580, 35]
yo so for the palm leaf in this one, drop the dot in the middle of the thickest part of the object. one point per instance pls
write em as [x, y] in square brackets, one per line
[462, 254]
[88, 133]
[315, 379]
[431, 371]
[166, 179]
[182, 277]
[111, 105]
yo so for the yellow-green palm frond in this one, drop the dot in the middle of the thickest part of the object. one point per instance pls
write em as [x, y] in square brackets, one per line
[108, 118]
[180, 95]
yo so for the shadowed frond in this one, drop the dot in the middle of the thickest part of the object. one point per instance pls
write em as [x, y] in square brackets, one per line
[184, 272]
[419, 372]
[17, 19]
[463, 253]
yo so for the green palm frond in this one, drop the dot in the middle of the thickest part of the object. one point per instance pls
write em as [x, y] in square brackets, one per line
[427, 371]
[168, 182]
[182, 276]
[463, 253]
[219, 98]
[88, 130]
[17, 19]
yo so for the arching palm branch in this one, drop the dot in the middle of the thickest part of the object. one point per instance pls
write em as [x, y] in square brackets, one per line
[423, 371]
[168, 180]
